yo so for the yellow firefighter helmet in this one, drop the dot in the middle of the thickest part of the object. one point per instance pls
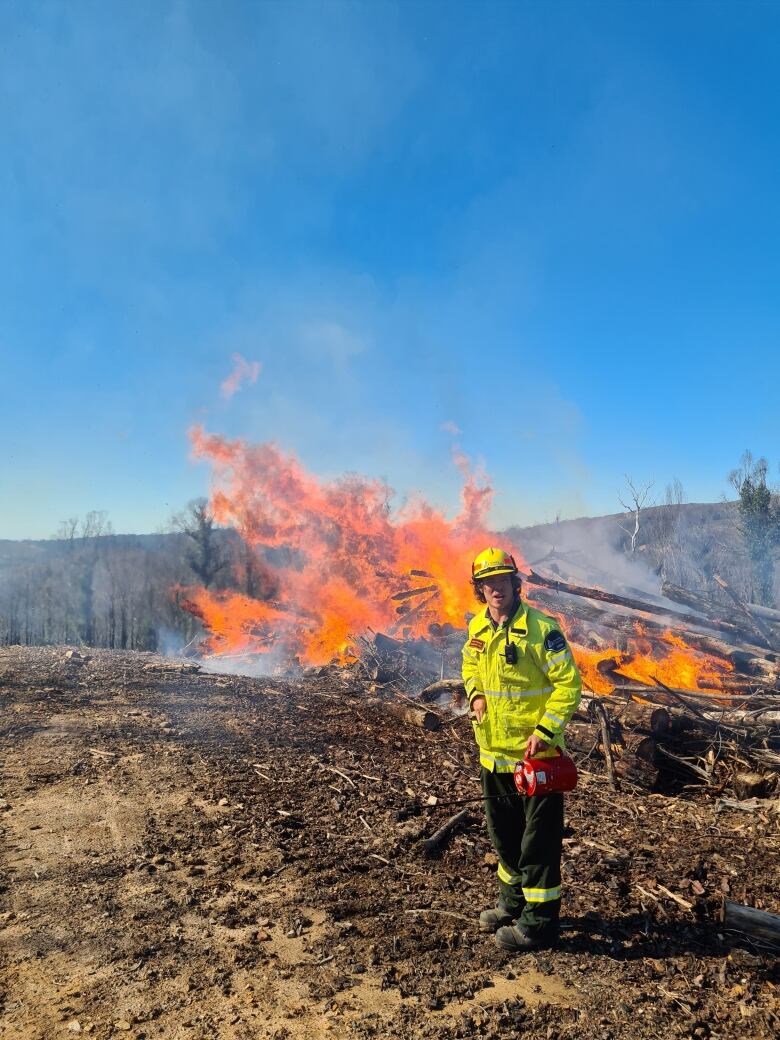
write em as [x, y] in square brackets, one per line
[492, 561]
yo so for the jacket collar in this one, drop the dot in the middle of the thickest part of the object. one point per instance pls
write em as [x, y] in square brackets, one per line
[518, 621]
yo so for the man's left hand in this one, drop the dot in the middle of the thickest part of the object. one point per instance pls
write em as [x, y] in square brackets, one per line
[535, 745]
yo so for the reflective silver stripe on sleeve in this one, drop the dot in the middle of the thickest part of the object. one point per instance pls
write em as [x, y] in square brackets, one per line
[553, 718]
[555, 659]
[518, 693]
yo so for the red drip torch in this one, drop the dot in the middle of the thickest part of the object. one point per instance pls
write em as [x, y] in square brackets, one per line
[545, 775]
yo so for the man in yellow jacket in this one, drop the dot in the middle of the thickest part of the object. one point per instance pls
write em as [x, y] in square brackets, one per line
[523, 687]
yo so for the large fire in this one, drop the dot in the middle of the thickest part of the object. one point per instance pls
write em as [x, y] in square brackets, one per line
[347, 564]
[680, 667]
[347, 555]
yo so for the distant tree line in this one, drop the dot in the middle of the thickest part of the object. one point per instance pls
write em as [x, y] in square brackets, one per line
[88, 586]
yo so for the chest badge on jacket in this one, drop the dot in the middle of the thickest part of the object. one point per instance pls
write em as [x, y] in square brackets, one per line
[477, 644]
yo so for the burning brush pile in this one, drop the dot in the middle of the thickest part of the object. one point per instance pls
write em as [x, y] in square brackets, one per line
[387, 592]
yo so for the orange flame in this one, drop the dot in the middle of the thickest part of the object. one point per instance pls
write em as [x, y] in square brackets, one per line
[681, 667]
[346, 549]
[346, 553]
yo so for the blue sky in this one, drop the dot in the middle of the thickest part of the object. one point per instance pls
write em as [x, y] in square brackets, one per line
[555, 225]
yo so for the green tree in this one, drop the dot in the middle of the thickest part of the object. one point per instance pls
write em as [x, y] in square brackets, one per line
[759, 524]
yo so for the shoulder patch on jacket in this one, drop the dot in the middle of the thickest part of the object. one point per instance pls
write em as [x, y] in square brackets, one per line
[478, 644]
[554, 642]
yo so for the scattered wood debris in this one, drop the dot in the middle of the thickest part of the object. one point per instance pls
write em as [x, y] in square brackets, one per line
[306, 898]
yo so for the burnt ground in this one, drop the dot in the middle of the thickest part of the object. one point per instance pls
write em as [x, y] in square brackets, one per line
[190, 855]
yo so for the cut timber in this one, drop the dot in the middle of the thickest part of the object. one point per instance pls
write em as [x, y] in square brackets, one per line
[664, 723]
[412, 716]
[642, 747]
[749, 785]
[688, 598]
[754, 622]
[380, 674]
[414, 612]
[767, 613]
[420, 648]
[408, 593]
[747, 659]
[697, 601]
[454, 687]
[683, 702]
[633, 604]
[435, 842]
[387, 644]
[746, 919]
[637, 763]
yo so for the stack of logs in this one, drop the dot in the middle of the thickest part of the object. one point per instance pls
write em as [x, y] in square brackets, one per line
[651, 747]
[748, 640]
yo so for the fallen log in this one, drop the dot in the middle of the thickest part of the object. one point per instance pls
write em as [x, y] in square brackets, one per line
[716, 702]
[437, 840]
[689, 598]
[697, 601]
[637, 763]
[754, 661]
[767, 613]
[684, 765]
[454, 687]
[386, 644]
[641, 747]
[381, 674]
[419, 717]
[409, 593]
[746, 919]
[419, 648]
[755, 623]
[412, 613]
[663, 723]
[634, 604]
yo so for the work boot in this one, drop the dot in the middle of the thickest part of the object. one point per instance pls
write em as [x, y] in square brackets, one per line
[515, 939]
[490, 920]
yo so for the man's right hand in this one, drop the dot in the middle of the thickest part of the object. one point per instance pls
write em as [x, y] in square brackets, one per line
[479, 707]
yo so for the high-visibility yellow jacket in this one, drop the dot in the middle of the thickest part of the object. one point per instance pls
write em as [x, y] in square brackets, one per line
[536, 695]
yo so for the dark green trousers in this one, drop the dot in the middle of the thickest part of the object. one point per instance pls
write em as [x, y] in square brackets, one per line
[527, 834]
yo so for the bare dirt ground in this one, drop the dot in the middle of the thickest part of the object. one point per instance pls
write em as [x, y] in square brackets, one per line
[189, 855]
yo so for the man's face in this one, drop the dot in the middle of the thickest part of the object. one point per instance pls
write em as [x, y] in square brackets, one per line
[498, 591]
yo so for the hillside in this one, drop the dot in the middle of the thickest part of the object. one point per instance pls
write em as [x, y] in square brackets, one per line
[118, 591]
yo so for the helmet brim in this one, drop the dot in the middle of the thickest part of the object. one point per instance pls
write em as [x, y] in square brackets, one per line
[490, 571]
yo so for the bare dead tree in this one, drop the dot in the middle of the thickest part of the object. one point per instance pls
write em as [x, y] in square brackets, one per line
[665, 531]
[206, 556]
[68, 530]
[638, 496]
